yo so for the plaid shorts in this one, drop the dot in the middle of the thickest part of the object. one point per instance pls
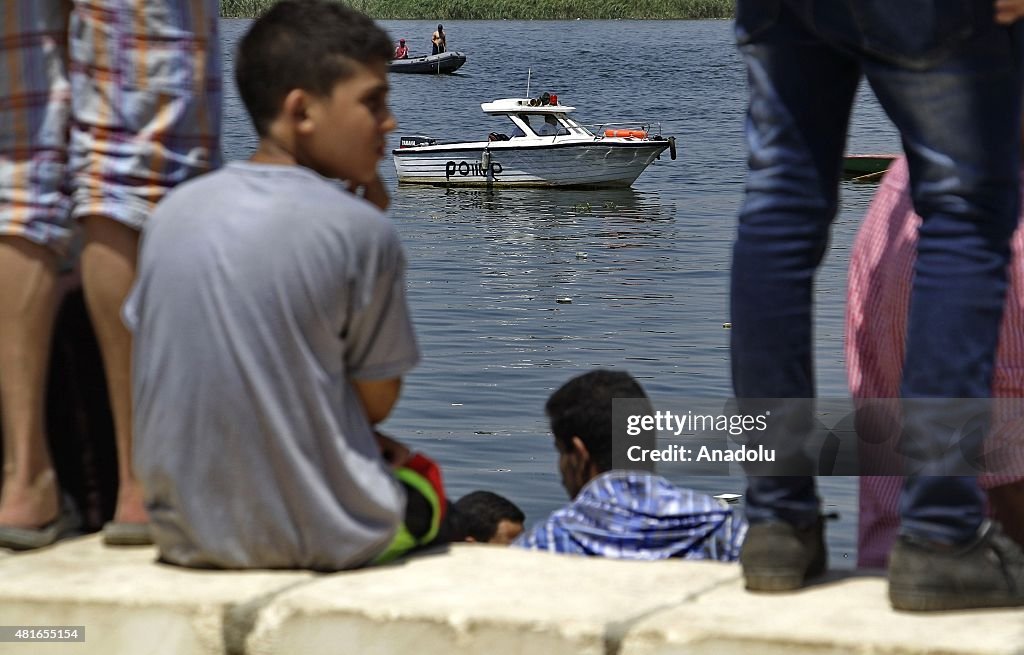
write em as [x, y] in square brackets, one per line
[104, 106]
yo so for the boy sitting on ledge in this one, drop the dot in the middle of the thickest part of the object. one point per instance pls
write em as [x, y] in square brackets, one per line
[271, 324]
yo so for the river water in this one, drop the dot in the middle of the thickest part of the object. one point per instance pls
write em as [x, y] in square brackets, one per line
[646, 268]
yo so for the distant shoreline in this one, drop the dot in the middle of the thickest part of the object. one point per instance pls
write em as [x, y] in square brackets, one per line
[442, 10]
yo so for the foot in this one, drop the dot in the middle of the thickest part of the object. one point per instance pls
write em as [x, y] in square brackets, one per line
[66, 524]
[988, 572]
[130, 507]
[777, 556]
[130, 526]
[30, 506]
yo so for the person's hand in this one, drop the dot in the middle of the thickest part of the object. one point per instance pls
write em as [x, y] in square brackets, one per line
[1008, 11]
[393, 452]
[373, 192]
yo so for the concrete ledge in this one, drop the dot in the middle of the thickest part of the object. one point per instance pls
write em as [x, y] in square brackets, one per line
[481, 599]
[848, 614]
[128, 603]
[470, 599]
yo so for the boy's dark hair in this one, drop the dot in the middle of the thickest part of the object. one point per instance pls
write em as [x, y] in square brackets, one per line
[302, 44]
[582, 407]
[480, 513]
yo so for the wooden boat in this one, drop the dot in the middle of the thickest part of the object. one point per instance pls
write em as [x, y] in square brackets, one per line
[866, 168]
[446, 62]
[612, 155]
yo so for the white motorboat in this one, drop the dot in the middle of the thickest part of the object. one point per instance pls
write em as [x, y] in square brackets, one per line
[547, 148]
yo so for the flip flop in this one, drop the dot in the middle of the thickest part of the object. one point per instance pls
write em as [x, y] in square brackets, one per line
[127, 534]
[65, 525]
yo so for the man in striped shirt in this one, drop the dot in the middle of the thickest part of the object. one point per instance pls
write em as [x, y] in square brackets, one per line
[624, 514]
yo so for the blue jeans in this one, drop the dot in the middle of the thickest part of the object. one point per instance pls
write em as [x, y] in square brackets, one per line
[950, 80]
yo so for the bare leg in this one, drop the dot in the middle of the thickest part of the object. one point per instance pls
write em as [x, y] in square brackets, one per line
[29, 496]
[108, 270]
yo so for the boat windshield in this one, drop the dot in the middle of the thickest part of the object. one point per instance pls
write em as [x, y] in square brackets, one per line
[545, 124]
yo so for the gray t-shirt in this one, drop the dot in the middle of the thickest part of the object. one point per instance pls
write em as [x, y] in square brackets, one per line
[261, 291]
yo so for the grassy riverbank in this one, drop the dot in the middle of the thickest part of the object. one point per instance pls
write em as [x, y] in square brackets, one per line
[514, 9]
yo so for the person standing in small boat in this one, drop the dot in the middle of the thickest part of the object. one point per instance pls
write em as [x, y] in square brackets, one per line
[439, 41]
[401, 52]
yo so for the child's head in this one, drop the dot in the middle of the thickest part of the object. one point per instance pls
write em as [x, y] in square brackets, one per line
[486, 517]
[313, 77]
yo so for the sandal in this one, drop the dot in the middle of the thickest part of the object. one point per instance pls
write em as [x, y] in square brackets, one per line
[65, 525]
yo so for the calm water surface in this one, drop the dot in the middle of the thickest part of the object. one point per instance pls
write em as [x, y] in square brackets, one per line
[651, 294]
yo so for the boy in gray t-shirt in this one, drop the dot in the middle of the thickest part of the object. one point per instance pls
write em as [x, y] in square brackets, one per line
[270, 318]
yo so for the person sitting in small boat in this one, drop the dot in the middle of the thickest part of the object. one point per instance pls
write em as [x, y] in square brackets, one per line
[401, 52]
[488, 518]
[551, 127]
[623, 514]
[438, 41]
[518, 131]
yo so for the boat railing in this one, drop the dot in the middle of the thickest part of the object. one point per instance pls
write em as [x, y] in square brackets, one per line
[651, 128]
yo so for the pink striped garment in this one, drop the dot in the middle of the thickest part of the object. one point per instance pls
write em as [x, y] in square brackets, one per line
[881, 273]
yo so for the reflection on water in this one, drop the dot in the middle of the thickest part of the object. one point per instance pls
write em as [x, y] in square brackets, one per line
[605, 202]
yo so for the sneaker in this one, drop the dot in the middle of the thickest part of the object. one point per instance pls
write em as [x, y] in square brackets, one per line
[987, 572]
[777, 556]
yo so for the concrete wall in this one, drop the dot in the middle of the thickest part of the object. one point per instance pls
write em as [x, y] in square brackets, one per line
[469, 599]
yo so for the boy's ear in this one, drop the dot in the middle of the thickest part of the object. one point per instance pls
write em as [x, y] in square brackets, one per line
[580, 449]
[295, 109]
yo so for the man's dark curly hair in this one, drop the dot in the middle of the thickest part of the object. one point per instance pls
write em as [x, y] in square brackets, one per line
[582, 407]
[302, 44]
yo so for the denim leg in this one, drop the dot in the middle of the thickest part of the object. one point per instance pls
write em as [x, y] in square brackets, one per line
[801, 92]
[960, 125]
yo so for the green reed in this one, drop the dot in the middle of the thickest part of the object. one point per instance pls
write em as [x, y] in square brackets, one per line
[514, 9]
[243, 8]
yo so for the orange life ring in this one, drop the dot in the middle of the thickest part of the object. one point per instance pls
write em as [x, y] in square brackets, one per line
[636, 134]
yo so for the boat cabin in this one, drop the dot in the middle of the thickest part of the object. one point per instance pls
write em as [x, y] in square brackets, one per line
[531, 117]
